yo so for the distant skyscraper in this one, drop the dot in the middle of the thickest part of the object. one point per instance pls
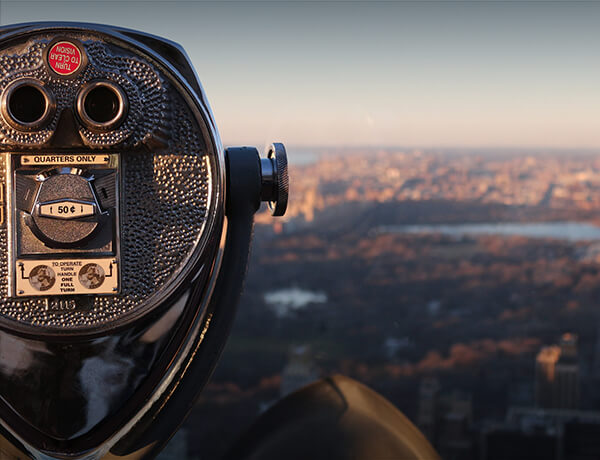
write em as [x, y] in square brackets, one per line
[454, 432]
[545, 375]
[445, 419]
[299, 371]
[596, 359]
[557, 375]
[504, 443]
[567, 374]
[428, 410]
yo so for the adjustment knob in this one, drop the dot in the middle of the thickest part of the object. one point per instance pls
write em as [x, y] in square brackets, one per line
[275, 183]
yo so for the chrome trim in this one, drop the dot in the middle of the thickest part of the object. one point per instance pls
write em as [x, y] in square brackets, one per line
[10, 206]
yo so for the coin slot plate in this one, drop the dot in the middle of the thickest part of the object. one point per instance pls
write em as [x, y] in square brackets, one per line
[37, 269]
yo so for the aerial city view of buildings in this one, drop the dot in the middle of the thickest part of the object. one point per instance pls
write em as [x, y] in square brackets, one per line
[554, 180]
[463, 286]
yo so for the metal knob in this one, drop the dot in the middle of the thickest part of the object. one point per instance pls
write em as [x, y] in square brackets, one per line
[275, 183]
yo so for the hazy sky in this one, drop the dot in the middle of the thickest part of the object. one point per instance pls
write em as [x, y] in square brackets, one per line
[378, 73]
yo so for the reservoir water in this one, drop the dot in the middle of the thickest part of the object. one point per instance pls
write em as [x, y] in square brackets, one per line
[285, 301]
[571, 231]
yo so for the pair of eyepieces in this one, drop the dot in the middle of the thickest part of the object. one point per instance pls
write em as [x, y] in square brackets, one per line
[28, 105]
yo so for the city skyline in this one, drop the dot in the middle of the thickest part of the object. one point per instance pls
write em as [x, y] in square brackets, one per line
[434, 74]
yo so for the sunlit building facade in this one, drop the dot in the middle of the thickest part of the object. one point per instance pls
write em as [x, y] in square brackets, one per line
[557, 375]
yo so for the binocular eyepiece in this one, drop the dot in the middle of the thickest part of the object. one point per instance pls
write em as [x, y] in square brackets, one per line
[124, 236]
[27, 105]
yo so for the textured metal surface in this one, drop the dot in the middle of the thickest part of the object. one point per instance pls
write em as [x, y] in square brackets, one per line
[275, 180]
[146, 92]
[166, 167]
[278, 152]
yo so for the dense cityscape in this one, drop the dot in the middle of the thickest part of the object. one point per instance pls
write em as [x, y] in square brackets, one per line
[463, 286]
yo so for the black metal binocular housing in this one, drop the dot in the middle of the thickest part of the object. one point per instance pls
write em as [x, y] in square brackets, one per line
[124, 236]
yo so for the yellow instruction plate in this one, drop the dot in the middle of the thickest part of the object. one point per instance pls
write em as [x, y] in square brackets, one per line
[71, 159]
[66, 276]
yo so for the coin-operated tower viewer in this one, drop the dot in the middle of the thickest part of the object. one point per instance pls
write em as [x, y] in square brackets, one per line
[124, 236]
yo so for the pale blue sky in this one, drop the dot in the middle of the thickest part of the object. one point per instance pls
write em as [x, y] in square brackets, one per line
[378, 73]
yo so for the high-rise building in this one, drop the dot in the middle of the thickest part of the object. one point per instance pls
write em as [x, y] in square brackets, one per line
[505, 443]
[567, 374]
[446, 419]
[545, 375]
[595, 371]
[454, 426]
[428, 407]
[299, 371]
[557, 375]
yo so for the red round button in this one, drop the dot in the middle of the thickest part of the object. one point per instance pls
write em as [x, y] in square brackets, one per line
[64, 58]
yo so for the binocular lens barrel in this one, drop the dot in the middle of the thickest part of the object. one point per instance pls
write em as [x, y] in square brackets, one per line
[101, 105]
[27, 105]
